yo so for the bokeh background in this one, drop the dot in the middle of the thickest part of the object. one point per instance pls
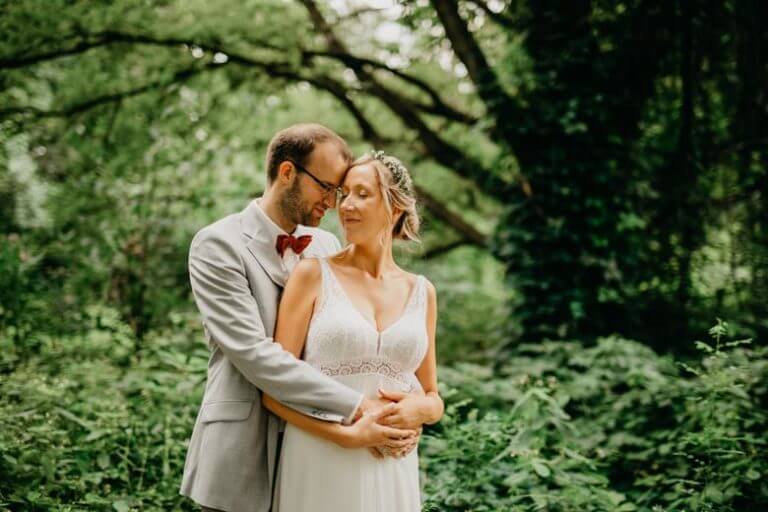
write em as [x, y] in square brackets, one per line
[592, 176]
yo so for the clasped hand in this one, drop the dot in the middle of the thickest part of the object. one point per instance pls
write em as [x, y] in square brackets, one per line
[391, 424]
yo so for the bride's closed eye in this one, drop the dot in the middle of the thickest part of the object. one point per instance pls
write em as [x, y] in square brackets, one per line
[362, 193]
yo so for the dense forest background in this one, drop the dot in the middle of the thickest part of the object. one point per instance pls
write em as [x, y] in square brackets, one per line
[592, 176]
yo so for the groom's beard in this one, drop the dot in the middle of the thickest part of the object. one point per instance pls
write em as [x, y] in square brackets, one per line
[294, 207]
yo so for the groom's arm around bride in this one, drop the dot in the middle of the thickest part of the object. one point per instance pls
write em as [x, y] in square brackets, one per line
[230, 461]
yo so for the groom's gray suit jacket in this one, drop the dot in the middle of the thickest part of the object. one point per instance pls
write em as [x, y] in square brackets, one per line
[237, 278]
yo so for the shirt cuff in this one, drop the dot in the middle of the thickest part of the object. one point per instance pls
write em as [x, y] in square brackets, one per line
[350, 419]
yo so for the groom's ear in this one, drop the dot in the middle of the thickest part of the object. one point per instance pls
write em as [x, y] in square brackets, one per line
[285, 172]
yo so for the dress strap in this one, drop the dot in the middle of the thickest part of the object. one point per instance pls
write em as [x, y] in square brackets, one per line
[420, 294]
[325, 285]
[330, 286]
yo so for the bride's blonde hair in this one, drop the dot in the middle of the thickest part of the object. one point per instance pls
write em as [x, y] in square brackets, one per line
[396, 188]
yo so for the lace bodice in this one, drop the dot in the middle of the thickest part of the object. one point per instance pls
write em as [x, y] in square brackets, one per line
[341, 342]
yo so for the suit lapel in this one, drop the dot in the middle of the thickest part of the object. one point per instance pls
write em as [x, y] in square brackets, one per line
[261, 246]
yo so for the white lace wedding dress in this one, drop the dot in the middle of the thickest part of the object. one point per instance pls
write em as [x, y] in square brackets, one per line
[319, 476]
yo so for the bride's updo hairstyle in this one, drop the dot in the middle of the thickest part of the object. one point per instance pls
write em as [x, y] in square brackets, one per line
[397, 190]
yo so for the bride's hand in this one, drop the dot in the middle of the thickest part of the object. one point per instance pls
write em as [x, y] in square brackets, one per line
[408, 412]
[368, 432]
[370, 405]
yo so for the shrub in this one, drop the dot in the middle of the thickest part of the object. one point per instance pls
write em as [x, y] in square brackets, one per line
[614, 426]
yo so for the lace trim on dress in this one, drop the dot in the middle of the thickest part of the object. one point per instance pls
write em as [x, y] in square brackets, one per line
[364, 366]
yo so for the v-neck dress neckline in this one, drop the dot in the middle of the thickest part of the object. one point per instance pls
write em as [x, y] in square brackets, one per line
[372, 324]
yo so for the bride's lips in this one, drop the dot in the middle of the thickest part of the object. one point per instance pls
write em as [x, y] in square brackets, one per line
[351, 221]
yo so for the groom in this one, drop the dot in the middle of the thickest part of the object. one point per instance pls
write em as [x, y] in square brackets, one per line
[238, 267]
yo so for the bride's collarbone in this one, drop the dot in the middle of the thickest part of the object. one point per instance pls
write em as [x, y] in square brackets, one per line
[382, 300]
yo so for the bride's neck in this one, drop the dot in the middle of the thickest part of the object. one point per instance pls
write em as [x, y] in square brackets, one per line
[375, 259]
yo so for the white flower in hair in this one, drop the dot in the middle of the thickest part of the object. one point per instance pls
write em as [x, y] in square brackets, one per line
[394, 165]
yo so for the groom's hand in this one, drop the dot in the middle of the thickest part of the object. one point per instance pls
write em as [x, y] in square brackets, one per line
[367, 432]
[402, 452]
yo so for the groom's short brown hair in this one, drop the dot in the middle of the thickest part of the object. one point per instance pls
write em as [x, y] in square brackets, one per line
[296, 143]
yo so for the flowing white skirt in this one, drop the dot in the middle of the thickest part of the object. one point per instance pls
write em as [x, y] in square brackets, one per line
[316, 475]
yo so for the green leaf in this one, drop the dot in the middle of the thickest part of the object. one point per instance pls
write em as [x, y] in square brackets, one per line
[121, 506]
[540, 468]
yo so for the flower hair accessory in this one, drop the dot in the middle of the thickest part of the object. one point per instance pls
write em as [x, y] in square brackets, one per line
[397, 169]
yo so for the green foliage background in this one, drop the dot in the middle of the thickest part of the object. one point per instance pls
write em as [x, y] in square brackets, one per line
[591, 176]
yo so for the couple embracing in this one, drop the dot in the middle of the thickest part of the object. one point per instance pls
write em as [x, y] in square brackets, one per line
[322, 365]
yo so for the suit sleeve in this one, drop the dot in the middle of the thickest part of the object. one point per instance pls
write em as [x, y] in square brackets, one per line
[232, 319]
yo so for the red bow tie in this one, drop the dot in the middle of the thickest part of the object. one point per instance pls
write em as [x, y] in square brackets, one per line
[297, 244]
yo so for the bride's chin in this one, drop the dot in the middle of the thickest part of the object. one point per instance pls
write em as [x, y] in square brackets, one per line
[354, 238]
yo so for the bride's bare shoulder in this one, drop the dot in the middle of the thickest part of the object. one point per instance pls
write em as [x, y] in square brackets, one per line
[413, 278]
[431, 290]
[306, 273]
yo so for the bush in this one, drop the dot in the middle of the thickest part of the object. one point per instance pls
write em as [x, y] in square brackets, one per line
[92, 425]
[609, 427]
[90, 422]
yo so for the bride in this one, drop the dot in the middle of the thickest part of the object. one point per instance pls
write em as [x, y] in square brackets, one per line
[360, 318]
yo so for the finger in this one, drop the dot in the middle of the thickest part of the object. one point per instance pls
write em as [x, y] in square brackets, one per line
[396, 433]
[387, 418]
[397, 444]
[392, 395]
[401, 422]
[376, 453]
[384, 411]
[395, 421]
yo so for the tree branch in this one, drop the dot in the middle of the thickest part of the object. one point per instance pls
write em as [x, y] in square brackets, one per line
[444, 152]
[106, 38]
[500, 18]
[340, 93]
[467, 231]
[110, 37]
[468, 51]
[499, 104]
[438, 106]
[77, 108]
[28, 60]
[442, 249]
[357, 13]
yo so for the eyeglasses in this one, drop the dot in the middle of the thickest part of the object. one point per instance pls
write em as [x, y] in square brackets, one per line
[329, 189]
